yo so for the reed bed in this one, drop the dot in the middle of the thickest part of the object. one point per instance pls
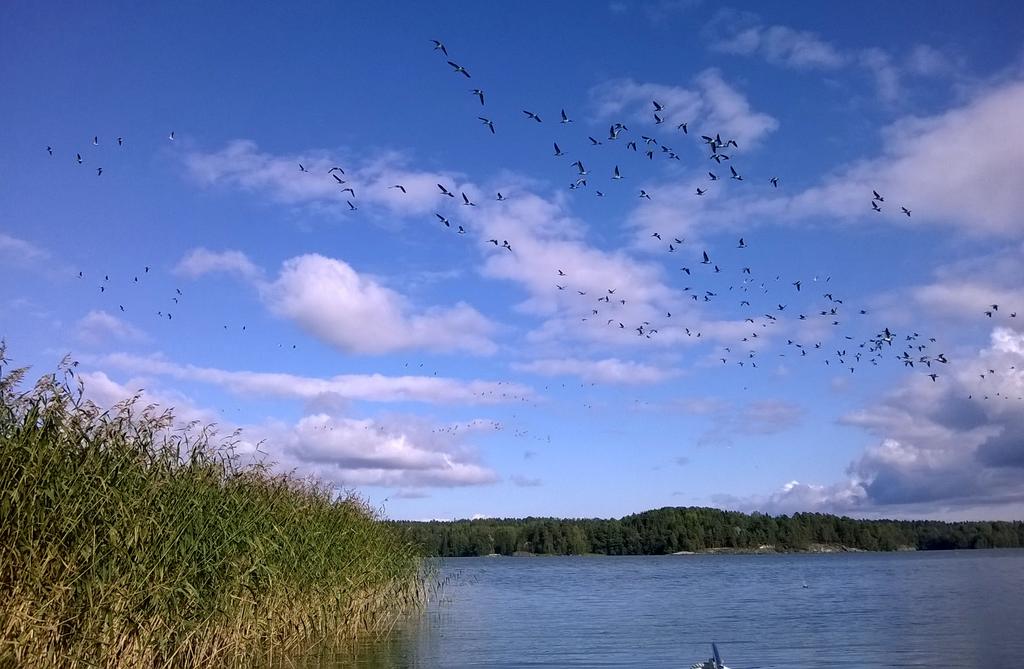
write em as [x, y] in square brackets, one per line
[129, 541]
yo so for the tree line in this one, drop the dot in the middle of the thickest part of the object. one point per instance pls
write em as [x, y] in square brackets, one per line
[674, 529]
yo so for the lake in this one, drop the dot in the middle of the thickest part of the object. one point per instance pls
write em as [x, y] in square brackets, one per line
[934, 609]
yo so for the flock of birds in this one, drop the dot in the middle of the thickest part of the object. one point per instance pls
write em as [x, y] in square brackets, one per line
[707, 280]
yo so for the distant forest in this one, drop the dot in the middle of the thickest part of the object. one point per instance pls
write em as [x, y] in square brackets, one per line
[674, 529]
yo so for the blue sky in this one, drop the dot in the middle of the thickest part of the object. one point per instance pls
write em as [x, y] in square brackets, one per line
[444, 376]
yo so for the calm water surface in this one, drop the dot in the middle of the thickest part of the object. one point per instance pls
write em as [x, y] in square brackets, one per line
[938, 609]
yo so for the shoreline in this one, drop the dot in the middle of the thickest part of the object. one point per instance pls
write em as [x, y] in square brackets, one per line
[817, 550]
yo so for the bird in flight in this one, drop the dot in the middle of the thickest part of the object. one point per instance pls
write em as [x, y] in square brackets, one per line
[78, 158]
[530, 114]
[445, 191]
[500, 198]
[467, 202]
[774, 181]
[439, 46]
[706, 260]
[616, 174]
[487, 122]
[351, 207]
[479, 93]
[336, 169]
[905, 211]
[458, 69]
[742, 244]
[713, 176]
[874, 205]
[49, 150]
[399, 187]
[171, 136]
[444, 220]
[701, 192]
[735, 174]
[644, 194]
[565, 118]
[658, 106]
[558, 151]
[877, 196]
[682, 126]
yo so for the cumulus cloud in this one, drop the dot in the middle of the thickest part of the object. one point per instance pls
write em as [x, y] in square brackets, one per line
[360, 387]
[607, 370]
[401, 451]
[931, 165]
[99, 327]
[363, 452]
[549, 240]
[329, 299]
[352, 312]
[711, 103]
[950, 444]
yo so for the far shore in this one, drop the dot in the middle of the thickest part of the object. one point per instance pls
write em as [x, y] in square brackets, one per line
[814, 549]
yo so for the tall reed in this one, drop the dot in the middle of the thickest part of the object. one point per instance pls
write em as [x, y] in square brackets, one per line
[127, 540]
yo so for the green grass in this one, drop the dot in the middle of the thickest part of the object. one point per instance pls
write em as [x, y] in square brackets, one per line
[129, 541]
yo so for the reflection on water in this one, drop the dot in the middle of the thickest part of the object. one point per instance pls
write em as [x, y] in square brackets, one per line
[949, 609]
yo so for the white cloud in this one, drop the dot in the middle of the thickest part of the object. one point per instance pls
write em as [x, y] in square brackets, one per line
[712, 105]
[363, 452]
[242, 165]
[402, 451]
[886, 74]
[742, 33]
[352, 312]
[15, 250]
[607, 370]
[953, 443]
[957, 168]
[783, 46]
[546, 240]
[99, 327]
[201, 261]
[361, 387]
[329, 299]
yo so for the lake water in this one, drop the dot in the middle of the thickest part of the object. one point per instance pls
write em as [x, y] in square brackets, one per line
[936, 609]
